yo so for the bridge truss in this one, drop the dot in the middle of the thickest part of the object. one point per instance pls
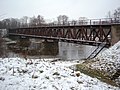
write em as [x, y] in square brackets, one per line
[81, 34]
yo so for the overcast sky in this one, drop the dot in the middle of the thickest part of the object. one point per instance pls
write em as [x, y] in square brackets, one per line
[52, 8]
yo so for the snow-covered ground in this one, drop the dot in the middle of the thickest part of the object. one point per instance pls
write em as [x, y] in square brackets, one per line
[109, 61]
[110, 57]
[42, 74]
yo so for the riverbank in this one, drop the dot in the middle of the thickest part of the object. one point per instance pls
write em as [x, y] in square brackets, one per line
[105, 66]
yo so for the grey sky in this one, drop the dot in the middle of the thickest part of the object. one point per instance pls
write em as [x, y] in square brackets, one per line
[52, 8]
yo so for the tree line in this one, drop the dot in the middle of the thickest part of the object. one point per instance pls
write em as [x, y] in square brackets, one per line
[115, 15]
[39, 20]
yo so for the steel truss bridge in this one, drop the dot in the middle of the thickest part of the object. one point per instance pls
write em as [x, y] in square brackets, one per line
[93, 32]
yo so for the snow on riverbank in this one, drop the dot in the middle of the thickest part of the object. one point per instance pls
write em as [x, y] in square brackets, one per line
[109, 60]
[36, 74]
[111, 56]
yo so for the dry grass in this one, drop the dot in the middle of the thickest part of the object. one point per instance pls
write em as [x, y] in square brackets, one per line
[101, 75]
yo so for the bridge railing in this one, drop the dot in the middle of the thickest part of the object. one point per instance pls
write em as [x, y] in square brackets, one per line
[103, 21]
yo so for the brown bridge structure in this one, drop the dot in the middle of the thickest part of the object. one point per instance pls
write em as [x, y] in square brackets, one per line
[96, 32]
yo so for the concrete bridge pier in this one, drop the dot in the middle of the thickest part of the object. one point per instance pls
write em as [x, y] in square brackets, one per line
[115, 30]
[70, 51]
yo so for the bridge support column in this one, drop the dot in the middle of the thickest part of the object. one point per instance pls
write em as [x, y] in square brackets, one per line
[70, 51]
[115, 29]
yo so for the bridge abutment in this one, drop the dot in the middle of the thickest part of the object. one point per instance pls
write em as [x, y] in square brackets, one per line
[115, 30]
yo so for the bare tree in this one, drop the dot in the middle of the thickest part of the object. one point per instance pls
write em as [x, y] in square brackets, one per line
[82, 20]
[37, 21]
[62, 19]
[40, 20]
[24, 21]
[74, 22]
[6, 23]
[109, 15]
[116, 15]
[14, 23]
[33, 21]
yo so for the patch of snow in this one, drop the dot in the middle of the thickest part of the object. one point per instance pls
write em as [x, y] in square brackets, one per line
[108, 60]
[39, 74]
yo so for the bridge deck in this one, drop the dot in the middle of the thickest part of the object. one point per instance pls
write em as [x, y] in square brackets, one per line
[77, 41]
